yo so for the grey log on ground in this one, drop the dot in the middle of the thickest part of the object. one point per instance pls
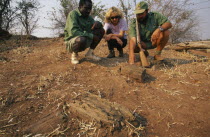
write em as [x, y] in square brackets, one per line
[94, 107]
[191, 45]
[111, 114]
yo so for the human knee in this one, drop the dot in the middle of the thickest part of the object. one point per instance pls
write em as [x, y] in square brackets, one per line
[80, 44]
[81, 40]
[166, 34]
[163, 38]
[99, 32]
[109, 31]
[97, 25]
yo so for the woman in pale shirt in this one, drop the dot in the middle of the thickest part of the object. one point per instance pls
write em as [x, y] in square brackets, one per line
[115, 27]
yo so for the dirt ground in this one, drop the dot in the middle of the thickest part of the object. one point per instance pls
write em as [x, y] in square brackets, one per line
[38, 84]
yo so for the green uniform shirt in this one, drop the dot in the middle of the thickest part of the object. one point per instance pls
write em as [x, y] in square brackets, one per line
[146, 30]
[77, 25]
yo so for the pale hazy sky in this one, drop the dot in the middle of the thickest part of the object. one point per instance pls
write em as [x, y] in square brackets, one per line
[202, 8]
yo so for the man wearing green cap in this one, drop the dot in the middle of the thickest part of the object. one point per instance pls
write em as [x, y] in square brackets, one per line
[153, 31]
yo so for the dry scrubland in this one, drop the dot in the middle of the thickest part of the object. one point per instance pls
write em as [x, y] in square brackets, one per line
[43, 94]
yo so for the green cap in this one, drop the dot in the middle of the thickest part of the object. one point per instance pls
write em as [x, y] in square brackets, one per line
[141, 7]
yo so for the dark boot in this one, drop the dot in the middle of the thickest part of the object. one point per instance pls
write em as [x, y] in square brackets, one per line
[111, 54]
[121, 53]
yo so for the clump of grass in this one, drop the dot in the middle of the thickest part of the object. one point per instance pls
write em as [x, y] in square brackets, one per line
[174, 72]
[207, 69]
[195, 58]
[87, 128]
[22, 50]
[45, 81]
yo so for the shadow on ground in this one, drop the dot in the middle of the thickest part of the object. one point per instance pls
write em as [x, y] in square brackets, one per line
[108, 62]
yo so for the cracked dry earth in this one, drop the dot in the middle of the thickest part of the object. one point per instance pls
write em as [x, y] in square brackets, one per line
[43, 94]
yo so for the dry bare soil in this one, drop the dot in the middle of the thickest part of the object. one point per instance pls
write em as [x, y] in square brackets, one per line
[43, 94]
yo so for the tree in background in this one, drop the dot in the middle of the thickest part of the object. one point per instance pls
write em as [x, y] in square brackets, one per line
[126, 7]
[182, 17]
[98, 11]
[9, 18]
[4, 4]
[4, 9]
[58, 16]
[178, 12]
[68, 5]
[27, 15]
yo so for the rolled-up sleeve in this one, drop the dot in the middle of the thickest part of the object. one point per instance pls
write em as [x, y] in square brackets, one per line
[161, 19]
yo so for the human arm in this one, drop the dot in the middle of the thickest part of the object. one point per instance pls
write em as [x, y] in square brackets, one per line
[107, 37]
[157, 34]
[110, 36]
[120, 30]
[113, 36]
[163, 24]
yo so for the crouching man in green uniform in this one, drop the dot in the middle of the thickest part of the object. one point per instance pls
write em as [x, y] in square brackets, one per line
[81, 32]
[154, 31]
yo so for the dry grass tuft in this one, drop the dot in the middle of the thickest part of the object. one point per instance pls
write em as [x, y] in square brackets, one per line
[22, 50]
[134, 131]
[57, 132]
[87, 129]
[174, 72]
[45, 81]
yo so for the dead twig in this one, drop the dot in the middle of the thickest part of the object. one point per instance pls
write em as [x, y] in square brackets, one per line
[135, 130]
[9, 125]
[57, 132]
[6, 118]
[136, 109]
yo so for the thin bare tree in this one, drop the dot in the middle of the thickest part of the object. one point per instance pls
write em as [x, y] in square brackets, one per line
[27, 16]
[182, 17]
[125, 8]
[179, 13]
[4, 6]
[98, 11]
[58, 16]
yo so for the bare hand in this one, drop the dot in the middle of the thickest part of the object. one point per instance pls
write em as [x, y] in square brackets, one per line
[108, 37]
[143, 45]
[155, 36]
[119, 41]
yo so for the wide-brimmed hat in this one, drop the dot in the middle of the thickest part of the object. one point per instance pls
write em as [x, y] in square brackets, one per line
[141, 7]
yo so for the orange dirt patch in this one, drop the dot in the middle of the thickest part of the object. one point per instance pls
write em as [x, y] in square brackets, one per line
[38, 84]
